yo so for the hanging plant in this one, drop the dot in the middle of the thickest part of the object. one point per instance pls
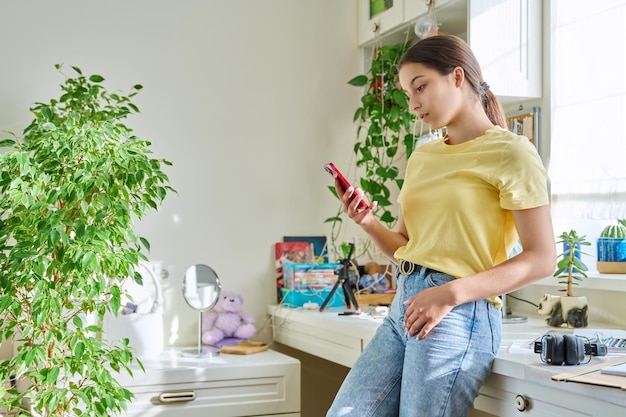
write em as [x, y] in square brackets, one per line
[384, 140]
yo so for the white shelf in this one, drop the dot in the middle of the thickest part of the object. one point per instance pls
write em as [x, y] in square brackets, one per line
[595, 280]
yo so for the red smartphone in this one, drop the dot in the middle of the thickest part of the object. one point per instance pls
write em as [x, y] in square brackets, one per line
[345, 184]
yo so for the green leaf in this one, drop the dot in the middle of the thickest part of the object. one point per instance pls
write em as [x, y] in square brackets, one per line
[77, 322]
[53, 375]
[333, 219]
[79, 350]
[88, 260]
[145, 243]
[358, 81]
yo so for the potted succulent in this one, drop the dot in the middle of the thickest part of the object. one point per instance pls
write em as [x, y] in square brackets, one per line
[570, 270]
[611, 248]
[71, 188]
[383, 141]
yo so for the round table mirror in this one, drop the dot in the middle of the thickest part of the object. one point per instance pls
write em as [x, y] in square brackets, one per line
[201, 290]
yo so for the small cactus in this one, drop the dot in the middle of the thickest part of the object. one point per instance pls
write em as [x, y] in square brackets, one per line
[617, 231]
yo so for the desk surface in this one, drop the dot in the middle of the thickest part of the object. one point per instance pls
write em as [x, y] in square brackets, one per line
[172, 367]
[523, 366]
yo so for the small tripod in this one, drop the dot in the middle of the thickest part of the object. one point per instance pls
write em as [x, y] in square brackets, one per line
[343, 279]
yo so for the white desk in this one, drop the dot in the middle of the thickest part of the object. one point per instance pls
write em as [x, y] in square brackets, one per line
[260, 384]
[341, 339]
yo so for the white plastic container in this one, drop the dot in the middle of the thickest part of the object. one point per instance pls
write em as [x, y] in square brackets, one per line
[143, 328]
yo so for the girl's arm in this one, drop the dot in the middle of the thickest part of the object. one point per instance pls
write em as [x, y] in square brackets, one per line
[537, 260]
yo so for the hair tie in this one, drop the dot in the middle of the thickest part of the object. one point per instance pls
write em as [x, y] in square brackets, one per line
[484, 85]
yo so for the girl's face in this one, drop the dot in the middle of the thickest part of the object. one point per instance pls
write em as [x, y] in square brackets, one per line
[435, 98]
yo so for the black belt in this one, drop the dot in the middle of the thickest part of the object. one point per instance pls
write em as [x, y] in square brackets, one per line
[407, 268]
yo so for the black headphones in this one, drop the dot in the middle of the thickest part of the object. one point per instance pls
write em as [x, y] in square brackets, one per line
[556, 349]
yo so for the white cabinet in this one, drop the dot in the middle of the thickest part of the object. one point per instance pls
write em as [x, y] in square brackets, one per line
[261, 384]
[417, 8]
[512, 397]
[519, 385]
[505, 36]
[395, 23]
[374, 20]
[447, 9]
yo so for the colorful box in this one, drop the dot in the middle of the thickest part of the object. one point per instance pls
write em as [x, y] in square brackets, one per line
[297, 298]
[309, 276]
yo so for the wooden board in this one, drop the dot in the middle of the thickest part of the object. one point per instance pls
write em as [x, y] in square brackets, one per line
[611, 267]
[244, 348]
[592, 375]
[375, 299]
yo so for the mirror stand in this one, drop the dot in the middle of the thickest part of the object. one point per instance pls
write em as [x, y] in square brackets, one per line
[207, 351]
[201, 290]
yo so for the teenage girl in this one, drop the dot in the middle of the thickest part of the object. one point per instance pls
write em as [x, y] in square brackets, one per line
[466, 200]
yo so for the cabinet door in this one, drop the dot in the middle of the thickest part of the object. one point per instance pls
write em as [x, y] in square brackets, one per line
[504, 404]
[510, 397]
[445, 11]
[505, 36]
[377, 17]
[417, 8]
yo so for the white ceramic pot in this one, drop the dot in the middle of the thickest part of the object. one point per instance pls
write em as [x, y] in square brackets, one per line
[574, 311]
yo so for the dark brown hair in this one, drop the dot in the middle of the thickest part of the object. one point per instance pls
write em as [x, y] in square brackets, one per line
[443, 53]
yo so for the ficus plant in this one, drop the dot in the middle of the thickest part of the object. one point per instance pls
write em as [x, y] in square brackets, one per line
[570, 268]
[72, 186]
[383, 140]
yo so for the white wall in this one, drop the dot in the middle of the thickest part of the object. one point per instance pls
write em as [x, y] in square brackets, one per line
[248, 99]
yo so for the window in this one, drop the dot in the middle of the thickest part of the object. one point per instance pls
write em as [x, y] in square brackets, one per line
[588, 99]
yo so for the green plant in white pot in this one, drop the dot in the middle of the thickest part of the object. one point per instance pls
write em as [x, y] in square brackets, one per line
[71, 189]
[570, 270]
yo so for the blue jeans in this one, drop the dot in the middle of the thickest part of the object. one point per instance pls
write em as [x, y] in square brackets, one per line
[440, 375]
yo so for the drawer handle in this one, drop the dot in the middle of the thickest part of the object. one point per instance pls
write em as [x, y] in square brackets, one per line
[521, 403]
[177, 397]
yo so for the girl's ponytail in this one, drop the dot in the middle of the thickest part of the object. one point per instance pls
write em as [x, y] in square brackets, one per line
[494, 109]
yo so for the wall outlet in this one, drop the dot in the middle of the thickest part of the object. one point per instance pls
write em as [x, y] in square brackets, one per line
[163, 271]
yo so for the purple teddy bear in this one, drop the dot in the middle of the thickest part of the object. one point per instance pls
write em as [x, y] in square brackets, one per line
[227, 320]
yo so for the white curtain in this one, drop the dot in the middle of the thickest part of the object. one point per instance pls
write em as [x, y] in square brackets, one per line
[588, 132]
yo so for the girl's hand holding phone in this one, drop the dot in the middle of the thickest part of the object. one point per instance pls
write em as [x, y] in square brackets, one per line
[347, 193]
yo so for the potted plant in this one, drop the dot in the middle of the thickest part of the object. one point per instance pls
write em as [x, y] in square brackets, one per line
[71, 188]
[384, 140]
[611, 248]
[570, 270]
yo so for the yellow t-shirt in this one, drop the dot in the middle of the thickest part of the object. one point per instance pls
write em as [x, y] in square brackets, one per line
[457, 200]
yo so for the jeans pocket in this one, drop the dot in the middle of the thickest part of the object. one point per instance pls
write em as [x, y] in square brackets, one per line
[435, 279]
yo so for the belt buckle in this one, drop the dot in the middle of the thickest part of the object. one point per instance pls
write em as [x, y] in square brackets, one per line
[407, 267]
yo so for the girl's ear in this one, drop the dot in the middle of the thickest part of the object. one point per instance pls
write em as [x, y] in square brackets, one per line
[458, 75]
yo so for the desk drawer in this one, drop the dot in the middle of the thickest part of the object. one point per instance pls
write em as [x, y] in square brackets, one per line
[227, 398]
[500, 396]
[332, 346]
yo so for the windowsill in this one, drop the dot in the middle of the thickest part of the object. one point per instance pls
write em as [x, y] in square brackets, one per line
[595, 281]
